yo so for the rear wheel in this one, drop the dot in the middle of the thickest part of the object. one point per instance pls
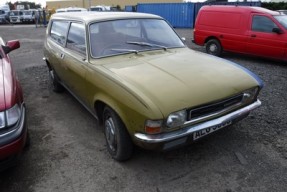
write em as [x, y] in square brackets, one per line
[57, 87]
[118, 141]
[213, 47]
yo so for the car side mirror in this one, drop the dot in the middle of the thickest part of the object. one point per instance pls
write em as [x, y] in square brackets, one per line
[183, 39]
[11, 45]
[277, 30]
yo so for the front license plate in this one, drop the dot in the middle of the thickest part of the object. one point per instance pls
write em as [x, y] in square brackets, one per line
[206, 131]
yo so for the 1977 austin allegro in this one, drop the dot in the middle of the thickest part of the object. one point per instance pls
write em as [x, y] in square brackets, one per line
[134, 73]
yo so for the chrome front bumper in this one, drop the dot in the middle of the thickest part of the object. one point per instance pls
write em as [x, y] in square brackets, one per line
[186, 131]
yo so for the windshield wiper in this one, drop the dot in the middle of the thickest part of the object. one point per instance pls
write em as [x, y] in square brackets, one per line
[126, 50]
[146, 44]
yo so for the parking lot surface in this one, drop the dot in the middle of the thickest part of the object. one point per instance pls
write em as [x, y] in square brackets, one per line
[68, 151]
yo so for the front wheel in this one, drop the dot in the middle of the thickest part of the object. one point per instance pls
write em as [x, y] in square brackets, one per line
[213, 47]
[119, 143]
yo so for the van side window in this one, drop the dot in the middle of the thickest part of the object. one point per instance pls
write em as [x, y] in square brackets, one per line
[58, 31]
[262, 24]
[76, 38]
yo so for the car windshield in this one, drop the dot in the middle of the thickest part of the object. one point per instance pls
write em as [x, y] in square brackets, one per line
[27, 13]
[282, 19]
[131, 36]
[15, 13]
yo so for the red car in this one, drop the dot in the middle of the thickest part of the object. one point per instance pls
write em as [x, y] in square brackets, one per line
[13, 130]
[242, 29]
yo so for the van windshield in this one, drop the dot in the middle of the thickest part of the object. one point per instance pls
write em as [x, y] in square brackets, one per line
[27, 13]
[282, 19]
[15, 13]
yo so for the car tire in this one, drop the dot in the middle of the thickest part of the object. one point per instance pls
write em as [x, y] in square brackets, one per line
[118, 141]
[57, 87]
[213, 47]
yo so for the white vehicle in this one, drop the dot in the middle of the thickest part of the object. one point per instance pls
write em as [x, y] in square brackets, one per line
[16, 16]
[100, 8]
[4, 13]
[71, 9]
[5, 8]
[28, 16]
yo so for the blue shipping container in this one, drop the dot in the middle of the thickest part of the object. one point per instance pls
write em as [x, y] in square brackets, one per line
[129, 8]
[177, 14]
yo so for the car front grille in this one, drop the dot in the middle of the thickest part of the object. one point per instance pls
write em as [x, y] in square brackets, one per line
[213, 108]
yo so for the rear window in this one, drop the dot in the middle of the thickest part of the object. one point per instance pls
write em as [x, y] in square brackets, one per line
[59, 31]
[219, 19]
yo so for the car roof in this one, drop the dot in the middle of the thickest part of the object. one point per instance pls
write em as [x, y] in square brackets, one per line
[91, 16]
[234, 8]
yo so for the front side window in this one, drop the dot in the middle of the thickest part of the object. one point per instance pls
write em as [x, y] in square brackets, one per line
[131, 35]
[76, 38]
[263, 24]
[58, 31]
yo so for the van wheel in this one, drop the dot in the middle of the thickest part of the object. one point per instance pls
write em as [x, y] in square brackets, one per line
[119, 143]
[57, 87]
[213, 47]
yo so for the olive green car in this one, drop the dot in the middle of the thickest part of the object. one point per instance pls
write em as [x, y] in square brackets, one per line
[134, 74]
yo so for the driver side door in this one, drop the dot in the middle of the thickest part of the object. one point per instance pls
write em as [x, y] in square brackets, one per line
[262, 40]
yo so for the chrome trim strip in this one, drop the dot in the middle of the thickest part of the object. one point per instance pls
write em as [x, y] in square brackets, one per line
[164, 137]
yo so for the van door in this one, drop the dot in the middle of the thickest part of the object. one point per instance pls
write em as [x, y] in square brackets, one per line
[262, 41]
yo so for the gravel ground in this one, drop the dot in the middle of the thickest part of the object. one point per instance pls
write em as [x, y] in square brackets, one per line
[68, 151]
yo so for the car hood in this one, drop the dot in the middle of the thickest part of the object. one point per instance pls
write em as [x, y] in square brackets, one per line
[175, 79]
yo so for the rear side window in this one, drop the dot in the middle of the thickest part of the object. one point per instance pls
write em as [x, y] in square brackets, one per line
[262, 24]
[58, 31]
[76, 38]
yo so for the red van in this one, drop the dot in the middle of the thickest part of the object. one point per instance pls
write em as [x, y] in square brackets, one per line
[249, 30]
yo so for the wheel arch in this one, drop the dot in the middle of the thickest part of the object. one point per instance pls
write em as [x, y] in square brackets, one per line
[48, 63]
[101, 100]
[212, 37]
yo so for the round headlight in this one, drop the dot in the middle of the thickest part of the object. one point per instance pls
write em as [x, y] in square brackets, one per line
[176, 119]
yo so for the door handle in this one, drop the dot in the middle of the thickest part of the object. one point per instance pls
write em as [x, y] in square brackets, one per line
[253, 35]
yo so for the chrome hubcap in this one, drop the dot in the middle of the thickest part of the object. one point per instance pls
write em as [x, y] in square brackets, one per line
[110, 133]
[213, 48]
